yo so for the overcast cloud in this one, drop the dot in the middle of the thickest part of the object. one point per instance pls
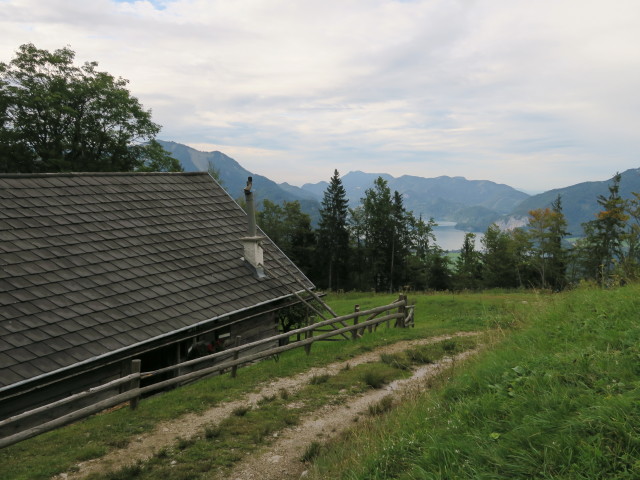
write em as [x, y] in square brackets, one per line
[535, 94]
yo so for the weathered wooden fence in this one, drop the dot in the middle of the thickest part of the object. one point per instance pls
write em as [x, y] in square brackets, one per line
[12, 430]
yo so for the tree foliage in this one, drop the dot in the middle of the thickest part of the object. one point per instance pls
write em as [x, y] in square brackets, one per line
[468, 264]
[333, 235]
[602, 247]
[547, 229]
[381, 246]
[57, 117]
[290, 229]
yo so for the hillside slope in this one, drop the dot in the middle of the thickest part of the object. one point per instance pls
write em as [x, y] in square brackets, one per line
[580, 201]
[560, 399]
[234, 177]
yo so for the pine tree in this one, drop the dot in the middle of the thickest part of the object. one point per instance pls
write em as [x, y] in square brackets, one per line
[379, 233]
[333, 235]
[400, 241]
[468, 264]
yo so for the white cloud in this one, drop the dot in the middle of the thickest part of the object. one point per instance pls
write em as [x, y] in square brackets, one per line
[533, 94]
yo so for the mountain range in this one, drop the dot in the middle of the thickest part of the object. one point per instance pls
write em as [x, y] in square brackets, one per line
[472, 204]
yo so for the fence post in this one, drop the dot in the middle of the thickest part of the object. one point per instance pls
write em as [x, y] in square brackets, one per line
[356, 331]
[401, 309]
[234, 369]
[136, 365]
[309, 334]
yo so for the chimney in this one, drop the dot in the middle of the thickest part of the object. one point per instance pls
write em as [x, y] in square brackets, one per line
[253, 254]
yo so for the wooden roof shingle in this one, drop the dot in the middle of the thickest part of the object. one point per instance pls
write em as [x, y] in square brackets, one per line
[87, 257]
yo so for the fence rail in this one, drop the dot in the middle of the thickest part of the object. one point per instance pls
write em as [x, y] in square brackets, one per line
[13, 433]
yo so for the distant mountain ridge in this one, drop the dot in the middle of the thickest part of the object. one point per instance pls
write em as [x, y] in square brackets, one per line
[234, 178]
[472, 204]
[580, 201]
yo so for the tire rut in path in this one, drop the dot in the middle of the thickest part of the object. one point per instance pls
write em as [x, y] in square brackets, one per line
[144, 446]
[281, 460]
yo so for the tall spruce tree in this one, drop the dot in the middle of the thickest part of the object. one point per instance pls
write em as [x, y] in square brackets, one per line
[333, 236]
[468, 264]
[379, 233]
[400, 242]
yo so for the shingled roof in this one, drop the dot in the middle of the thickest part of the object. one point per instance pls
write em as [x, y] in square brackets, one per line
[92, 264]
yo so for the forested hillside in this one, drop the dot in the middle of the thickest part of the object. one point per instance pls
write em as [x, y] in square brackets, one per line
[580, 201]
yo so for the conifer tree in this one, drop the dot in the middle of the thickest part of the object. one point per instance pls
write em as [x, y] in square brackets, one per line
[379, 233]
[468, 264]
[333, 235]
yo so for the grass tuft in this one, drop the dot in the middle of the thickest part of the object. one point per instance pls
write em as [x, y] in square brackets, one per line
[384, 405]
[128, 472]
[183, 443]
[241, 411]
[284, 393]
[212, 431]
[318, 379]
[311, 452]
[374, 379]
[396, 360]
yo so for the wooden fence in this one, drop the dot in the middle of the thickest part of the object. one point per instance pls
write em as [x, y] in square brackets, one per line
[12, 430]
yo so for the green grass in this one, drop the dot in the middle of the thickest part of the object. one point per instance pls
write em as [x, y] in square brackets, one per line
[46, 455]
[558, 399]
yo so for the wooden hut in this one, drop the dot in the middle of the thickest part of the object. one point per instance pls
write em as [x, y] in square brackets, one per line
[99, 268]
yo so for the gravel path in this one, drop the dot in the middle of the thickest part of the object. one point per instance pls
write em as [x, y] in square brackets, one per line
[281, 460]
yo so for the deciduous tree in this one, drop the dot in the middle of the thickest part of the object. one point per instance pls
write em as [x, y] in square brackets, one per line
[56, 117]
[604, 236]
[547, 229]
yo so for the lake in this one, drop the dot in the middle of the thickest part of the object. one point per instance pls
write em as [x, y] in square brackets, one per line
[450, 238]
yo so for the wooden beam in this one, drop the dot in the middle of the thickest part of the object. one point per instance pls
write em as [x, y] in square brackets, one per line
[373, 312]
[71, 398]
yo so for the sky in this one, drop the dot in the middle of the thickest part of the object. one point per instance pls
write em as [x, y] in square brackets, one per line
[533, 94]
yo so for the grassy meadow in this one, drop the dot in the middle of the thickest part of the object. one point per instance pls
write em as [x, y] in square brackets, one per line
[554, 395]
[559, 398]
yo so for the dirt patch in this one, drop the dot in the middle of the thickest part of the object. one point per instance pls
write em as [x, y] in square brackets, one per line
[282, 460]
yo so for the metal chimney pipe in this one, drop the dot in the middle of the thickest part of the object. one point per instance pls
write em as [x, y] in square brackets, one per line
[251, 210]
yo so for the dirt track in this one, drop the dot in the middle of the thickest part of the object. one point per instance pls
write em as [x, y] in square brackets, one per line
[281, 459]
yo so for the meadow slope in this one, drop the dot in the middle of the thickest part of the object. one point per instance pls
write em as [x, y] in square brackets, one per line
[558, 399]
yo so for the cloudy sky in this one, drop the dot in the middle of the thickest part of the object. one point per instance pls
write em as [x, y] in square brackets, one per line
[535, 94]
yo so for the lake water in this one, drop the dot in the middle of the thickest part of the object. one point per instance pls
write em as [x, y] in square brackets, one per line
[450, 238]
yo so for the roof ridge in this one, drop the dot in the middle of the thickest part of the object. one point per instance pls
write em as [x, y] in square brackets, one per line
[94, 174]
